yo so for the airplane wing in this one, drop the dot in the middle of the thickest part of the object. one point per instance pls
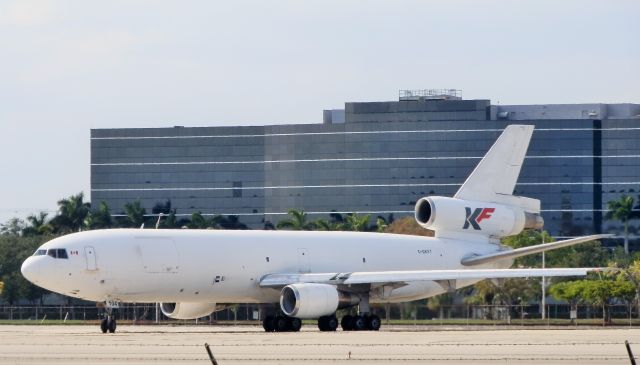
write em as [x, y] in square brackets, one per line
[524, 251]
[383, 277]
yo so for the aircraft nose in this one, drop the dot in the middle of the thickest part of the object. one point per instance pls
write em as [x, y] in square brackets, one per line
[30, 270]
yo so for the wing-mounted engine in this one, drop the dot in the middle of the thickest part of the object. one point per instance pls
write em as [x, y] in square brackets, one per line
[310, 300]
[187, 310]
[447, 216]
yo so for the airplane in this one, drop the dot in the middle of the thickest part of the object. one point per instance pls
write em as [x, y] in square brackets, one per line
[295, 275]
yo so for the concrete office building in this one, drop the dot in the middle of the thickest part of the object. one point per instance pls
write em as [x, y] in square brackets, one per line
[375, 158]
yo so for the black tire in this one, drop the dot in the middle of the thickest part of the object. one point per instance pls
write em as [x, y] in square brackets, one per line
[295, 324]
[358, 323]
[268, 323]
[345, 323]
[331, 323]
[373, 323]
[103, 325]
[322, 323]
[111, 325]
[281, 324]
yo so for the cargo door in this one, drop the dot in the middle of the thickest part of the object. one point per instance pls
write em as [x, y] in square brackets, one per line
[158, 255]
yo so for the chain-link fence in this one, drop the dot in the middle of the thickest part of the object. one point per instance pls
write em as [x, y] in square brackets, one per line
[407, 314]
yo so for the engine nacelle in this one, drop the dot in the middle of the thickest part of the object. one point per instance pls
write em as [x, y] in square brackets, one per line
[186, 310]
[443, 214]
[310, 300]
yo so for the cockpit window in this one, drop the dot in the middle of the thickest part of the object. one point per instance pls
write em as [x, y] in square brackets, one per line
[62, 253]
[40, 253]
[57, 253]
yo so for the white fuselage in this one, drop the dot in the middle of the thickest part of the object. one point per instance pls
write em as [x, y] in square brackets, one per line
[217, 266]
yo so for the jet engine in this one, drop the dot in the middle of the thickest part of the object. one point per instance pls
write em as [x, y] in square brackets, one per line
[309, 300]
[443, 214]
[188, 310]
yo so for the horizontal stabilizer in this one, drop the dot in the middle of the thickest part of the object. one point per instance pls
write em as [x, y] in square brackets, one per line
[524, 251]
[386, 277]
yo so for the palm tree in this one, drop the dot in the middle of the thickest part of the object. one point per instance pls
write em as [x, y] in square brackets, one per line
[38, 225]
[135, 214]
[100, 218]
[382, 223]
[325, 225]
[622, 210]
[72, 212]
[354, 222]
[297, 222]
[231, 222]
[198, 221]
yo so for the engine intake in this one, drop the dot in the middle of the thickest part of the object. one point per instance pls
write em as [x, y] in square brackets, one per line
[310, 300]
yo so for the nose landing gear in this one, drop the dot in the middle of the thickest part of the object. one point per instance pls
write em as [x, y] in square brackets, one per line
[108, 323]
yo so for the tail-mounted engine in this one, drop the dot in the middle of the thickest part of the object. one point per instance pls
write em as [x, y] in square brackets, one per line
[443, 214]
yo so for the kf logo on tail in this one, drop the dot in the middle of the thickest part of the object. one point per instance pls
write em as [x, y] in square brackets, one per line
[478, 215]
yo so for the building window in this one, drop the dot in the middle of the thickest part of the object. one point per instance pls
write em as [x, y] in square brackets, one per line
[237, 189]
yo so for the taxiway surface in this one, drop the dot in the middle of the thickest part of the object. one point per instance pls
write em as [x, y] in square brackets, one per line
[27, 344]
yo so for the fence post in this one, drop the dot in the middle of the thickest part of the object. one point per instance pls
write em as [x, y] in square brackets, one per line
[467, 315]
[631, 357]
[213, 359]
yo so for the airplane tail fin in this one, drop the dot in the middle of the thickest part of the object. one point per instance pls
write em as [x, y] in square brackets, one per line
[494, 178]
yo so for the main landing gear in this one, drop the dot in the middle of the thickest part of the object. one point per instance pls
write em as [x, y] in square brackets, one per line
[273, 323]
[360, 323]
[327, 323]
[369, 322]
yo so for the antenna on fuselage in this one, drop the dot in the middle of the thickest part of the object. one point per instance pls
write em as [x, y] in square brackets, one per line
[158, 222]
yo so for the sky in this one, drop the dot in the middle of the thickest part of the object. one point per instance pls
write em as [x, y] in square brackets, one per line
[69, 66]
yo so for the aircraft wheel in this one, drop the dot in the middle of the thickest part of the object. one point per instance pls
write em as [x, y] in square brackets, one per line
[345, 323]
[111, 324]
[373, 323]
[281, 324]
[295, 324]
[322, 323]
[328, 323]
[103, 325]
[268, 323]
[358, 323]
[332, 323]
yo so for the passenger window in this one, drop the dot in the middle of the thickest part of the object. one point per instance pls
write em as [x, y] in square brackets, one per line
[53, 253]
[62, 253]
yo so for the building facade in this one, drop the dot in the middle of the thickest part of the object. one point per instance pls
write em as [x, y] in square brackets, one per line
[374, 158]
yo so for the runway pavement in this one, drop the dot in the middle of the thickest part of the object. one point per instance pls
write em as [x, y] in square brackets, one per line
[34, 344]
